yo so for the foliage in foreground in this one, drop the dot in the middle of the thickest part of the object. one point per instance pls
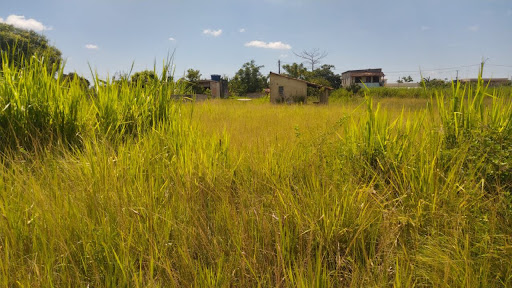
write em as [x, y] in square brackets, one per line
[415, 199]
[39, 109]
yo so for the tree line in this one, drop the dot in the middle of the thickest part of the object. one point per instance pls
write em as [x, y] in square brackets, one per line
[19, 44]
[249, 79]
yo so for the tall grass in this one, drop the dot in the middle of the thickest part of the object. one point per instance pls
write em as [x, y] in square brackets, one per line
[227, 194]
[35, 109]
[39, 109]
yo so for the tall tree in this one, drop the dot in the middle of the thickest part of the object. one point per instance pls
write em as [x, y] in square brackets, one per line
[295, 70]
[19, 44]
[193, 77]
[312, 57]
[248, 79]
[325, 72]
[407, 79]
[144, 78]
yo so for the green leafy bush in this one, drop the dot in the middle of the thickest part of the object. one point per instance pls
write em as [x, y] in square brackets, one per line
[20, 44]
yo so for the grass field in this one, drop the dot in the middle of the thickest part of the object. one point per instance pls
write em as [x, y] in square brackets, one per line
[125, 187]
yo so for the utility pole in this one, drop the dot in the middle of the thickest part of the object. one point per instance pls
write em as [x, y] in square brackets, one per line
[457, 76]
[279, 64]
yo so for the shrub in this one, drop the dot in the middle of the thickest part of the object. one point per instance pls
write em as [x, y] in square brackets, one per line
[354, 88]
[19, 45]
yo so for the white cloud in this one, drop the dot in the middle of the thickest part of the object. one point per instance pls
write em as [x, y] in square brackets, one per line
[425, 28]
[214, 33]
[271, 45]
[242, 30]
[171, 39]
[92, 47]
[474, 28]
[1, 20]
[20, 21]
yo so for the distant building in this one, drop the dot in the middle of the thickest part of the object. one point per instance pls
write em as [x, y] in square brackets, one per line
[402, 85]
[217, 86]
[284, 89]
[370, 77]
[490, 81]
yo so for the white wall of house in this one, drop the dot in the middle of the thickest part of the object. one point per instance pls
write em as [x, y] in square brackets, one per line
[290, 88]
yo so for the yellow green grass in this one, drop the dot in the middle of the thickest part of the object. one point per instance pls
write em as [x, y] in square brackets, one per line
[149, 192]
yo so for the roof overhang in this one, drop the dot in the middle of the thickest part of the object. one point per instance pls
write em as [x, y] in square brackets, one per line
[366, 74]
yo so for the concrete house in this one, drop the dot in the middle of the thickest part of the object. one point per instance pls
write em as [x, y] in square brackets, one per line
[284, 89]
[370, 77]
[217, 86]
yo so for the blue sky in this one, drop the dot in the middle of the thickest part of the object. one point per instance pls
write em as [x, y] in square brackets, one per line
[217, 37]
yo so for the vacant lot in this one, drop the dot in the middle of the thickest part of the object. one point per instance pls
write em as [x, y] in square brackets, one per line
[124, 187]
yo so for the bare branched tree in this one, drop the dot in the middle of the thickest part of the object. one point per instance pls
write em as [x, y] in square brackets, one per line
[312, 56]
